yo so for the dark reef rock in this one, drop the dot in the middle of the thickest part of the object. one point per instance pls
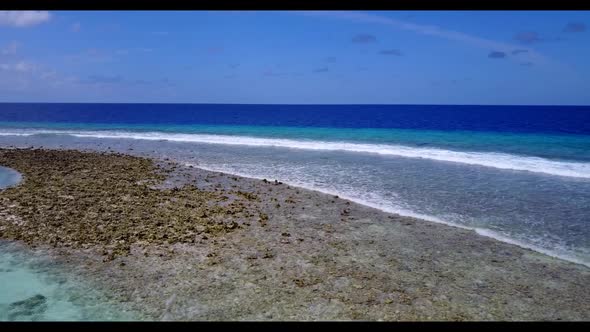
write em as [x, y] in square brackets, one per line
[81, 199]
[32, 306]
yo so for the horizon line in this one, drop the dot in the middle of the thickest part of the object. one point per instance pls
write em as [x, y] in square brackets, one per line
[289, 104]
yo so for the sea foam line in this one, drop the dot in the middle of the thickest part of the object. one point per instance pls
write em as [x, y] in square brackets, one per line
[487, 159]
[408, 213]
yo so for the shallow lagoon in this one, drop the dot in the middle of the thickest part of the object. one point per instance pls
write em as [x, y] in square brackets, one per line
[8, 177]
[33, 287]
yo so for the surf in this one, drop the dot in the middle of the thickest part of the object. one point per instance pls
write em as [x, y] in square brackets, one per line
[486, 159]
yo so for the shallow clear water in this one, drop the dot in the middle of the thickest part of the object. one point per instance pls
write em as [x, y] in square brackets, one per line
[34, 288]
[8, 177]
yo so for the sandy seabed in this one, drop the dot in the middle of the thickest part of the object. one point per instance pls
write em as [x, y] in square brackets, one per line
[182, 243]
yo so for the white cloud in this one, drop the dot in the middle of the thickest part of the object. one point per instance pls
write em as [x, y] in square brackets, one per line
[23, 18]
[20, 67]
[10, 49]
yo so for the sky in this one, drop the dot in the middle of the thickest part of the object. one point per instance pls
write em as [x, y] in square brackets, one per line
[296, 57]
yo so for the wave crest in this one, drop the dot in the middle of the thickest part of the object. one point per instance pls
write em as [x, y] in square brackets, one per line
[487, 159]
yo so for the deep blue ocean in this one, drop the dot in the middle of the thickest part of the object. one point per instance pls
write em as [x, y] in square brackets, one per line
[517, 119]
[520, 174]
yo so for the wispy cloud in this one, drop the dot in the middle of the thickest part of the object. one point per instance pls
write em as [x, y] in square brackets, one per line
[142, 82]
[10, 49]
[167, 82]
[450, 82]
[428, 30]
[496, 55]
[24, 18]
[528, 37]
[443, 82]
[143, 49]
[27, 76]
[92, 55]
[20, 67]
[49, 74]
[391, 52]
[273, 73]
[127, 51]
[102, 79]
[270, 72]
[532, 37]
[518, 51]
[97, 54]
[321, 70]
[364, 38]
[110, 27]
[575, 27]
[25, 70]
[215, 50]
[23, 75]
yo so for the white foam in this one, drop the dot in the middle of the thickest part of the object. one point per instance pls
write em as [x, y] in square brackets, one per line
[408, 213]
[487, 159]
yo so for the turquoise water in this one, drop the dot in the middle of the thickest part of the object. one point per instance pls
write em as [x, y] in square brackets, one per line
[34, 288]
[551, 146]
[8, 177]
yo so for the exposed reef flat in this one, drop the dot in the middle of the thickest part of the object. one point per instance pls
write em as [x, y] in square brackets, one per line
[181, 243]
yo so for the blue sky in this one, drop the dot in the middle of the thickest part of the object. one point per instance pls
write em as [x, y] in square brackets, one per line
[328, 57]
